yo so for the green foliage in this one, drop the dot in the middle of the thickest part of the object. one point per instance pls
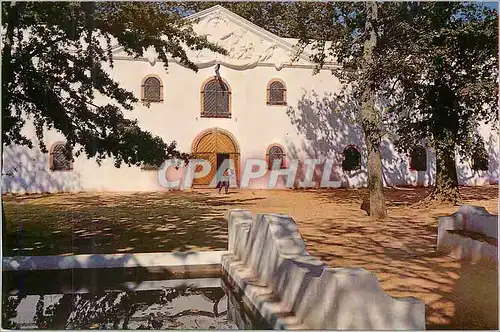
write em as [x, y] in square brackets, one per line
[480, 162]
[56, 60]
[435, 64]
[479, 155]
[418, 159]
[348, 35]
[446, 83]
[274, 16]
[433, 68]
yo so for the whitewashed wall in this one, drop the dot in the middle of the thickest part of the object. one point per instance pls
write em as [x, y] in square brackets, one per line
[310, 126]
[317, 132]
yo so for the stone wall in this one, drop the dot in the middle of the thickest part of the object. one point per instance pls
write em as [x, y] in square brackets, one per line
[471, 219]
[268, 260]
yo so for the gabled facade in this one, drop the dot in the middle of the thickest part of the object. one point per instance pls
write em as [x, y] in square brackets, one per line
[266, 104]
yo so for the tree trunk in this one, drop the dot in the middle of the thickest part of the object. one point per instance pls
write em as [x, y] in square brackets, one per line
[371, 121]
[446, 187]
[444, 126]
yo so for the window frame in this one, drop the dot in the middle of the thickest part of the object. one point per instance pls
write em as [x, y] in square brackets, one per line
[143, 84]
[268, 93]
[204, 114]
[474, 167]
[355, 147]
[51, 158]
[283, 155]
[410, 159]
[148, 167]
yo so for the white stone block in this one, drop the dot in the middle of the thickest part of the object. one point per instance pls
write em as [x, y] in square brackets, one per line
[306, 293]
[468, 218]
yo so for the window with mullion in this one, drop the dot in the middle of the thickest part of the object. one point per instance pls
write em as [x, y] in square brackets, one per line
[276, 93]
[152, 90]
[276, 153]
[61, 160]
[216, 99]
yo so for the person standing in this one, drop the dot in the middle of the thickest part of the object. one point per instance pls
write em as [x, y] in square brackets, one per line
[225, 181]
[231, 176]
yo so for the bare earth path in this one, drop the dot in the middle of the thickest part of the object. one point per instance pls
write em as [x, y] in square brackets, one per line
[399, 250]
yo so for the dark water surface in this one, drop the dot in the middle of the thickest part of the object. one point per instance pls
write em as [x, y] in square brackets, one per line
[131, 298]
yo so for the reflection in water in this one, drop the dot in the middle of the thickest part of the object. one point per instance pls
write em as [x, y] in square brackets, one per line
[199, 303]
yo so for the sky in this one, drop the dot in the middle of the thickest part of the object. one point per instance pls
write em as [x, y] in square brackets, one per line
[493, 5]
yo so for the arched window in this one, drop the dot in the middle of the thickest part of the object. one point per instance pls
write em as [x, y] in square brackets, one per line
[276, 152]
[480, 158]
[216, 99]
[418, 159]
[149, 167]
[276, 93]
[351, 159]
[480, 164]
[60, 160]
[152, 90]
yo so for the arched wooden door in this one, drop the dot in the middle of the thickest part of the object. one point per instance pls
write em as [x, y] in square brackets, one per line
[215, 145]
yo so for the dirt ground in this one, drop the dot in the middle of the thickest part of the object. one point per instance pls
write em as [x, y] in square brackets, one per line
[399, 250]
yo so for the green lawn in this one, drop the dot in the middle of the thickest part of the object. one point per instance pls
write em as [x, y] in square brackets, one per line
[113, 223]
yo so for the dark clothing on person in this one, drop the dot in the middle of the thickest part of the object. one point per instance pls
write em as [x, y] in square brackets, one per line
[224, 183]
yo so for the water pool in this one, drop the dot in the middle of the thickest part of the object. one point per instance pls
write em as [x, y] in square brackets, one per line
[132, 298]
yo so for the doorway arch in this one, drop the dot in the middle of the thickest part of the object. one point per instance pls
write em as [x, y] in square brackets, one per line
[214, 145]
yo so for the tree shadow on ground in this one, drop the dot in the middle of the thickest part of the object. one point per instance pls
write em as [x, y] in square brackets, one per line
[401, 252]
[394, 196]
[402, 196]
[89, 223]
[479, 193]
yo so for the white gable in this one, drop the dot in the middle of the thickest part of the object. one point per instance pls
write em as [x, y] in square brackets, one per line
[248, 45]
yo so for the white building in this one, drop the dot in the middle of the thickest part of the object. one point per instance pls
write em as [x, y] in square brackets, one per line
[271, 106]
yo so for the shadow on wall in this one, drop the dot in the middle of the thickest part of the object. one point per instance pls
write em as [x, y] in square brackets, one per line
[327, 132]
[397, 170]
[27, 170]
[467, 176]
[329, 126]
[493, 160]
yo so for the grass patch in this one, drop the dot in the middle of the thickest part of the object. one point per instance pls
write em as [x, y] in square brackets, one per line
[96, 223]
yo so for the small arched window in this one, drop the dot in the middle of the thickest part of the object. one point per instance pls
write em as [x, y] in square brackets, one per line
[60, 159]
[216, 99]
[275, 152]
[418, 159]
[149, 167]
[351, 159]
[480, 158]
[276, 93]
[152, 90]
